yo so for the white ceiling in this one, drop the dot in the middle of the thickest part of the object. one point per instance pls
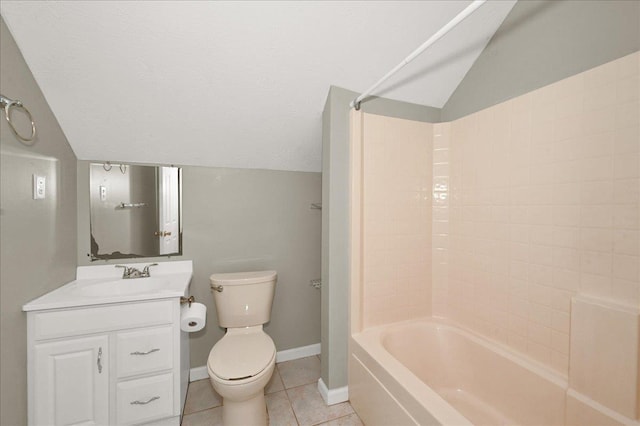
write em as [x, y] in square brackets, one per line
[231, 84]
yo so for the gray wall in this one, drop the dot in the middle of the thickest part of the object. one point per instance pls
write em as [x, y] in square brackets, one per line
[335, 219]
[37, 237]
[541, 42]
[244, 220]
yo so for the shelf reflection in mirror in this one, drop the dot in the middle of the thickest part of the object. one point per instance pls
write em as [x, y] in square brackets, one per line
[135, 211]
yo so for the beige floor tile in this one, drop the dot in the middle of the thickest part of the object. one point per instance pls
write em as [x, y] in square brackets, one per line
[310, 409]
[210, 417]
[275, 384]
[201, 396]
[350, 420]
[279, 409]
[299, 371]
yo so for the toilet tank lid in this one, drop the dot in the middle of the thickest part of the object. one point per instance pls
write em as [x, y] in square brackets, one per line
[242, 278]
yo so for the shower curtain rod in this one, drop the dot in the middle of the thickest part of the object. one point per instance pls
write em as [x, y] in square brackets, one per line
[448, 27]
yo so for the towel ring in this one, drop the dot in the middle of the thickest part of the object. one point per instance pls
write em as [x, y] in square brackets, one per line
[6, 104]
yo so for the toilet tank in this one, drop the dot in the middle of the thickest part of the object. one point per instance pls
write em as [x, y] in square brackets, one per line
[243, 299]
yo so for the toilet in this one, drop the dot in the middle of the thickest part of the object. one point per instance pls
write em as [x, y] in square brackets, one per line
[241, 363]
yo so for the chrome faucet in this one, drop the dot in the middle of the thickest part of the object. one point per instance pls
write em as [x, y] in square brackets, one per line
[131, 272]
[145, 270]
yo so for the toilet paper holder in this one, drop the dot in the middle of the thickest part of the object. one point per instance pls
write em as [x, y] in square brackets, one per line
[188, 300]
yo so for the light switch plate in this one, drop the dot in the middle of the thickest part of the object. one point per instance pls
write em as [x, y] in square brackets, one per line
[39, 187]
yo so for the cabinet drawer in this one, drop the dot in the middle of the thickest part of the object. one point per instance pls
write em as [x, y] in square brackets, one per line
[71, 322]
[144, 351]
[145, 399]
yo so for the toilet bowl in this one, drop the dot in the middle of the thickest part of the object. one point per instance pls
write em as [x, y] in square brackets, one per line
[241, 363]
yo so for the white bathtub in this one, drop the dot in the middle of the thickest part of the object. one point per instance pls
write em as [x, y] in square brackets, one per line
[431, 373]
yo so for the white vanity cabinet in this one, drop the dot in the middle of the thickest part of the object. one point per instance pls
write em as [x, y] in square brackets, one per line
[115, 364]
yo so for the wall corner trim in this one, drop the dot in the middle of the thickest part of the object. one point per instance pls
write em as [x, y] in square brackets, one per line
[201, 373]
[333, 396]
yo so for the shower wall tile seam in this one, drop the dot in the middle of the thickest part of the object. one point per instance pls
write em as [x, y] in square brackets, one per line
[397, 248]
[533, 201]
[546, 183]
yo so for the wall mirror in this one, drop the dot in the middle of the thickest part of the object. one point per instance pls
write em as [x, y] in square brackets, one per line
[135, 211]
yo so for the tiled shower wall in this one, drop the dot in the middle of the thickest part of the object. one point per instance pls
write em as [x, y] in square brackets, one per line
[397, 219]
[536, 200]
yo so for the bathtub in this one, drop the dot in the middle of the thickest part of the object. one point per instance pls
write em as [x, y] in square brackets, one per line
[428, 372]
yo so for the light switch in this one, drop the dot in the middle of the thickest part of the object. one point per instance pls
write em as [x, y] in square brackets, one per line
[39, 187]
[103, 193]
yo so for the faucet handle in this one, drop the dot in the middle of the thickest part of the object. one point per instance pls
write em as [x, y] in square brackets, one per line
[126, 272]
[146, 272]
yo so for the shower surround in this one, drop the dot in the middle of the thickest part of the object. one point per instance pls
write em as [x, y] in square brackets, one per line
[532, 238]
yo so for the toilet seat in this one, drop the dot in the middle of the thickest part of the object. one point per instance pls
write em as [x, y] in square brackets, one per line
[241, 354]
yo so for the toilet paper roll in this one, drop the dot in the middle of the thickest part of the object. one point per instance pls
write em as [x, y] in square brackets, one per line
[193, 318]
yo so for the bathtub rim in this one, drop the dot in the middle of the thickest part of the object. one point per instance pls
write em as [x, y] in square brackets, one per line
[520, 358]
[415, 392]
[369, 345]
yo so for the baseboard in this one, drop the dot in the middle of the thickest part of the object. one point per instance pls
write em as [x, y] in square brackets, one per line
[333, 396]
[200, 373]
[297, 353]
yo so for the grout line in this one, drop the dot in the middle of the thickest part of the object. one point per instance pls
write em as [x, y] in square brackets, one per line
[338, 418]
[276, 371]
[291, 406]
[300, 385]
[200, 411]
[285, 390]
[204, 409]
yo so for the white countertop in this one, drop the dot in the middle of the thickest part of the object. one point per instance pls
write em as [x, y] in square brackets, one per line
[174, 277]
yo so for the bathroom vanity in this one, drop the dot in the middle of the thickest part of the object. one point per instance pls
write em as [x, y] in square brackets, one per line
[108, 350]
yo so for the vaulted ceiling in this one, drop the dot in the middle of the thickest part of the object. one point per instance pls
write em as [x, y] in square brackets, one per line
[231, 84]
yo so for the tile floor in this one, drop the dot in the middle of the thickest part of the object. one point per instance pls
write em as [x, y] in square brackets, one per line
[292, 399]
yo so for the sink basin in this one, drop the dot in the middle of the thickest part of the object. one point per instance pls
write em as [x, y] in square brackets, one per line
[101, 284]
[123, 287]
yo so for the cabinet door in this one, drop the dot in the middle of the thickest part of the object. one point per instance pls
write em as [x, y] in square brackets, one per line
[71, 382]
